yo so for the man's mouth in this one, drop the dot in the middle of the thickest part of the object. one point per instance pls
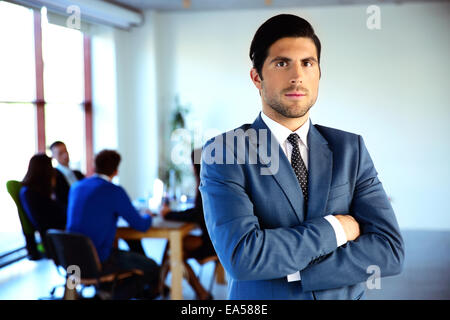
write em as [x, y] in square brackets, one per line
[294, 95]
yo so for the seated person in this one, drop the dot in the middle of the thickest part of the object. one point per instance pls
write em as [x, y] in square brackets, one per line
[36, 197]
[197, 247]
[94, 207]
[65, 176]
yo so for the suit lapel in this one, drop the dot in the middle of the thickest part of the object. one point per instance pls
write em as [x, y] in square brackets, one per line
[283, 172]
[320, 166]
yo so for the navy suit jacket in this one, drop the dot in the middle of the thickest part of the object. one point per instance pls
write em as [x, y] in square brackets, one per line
[62, 186]
[256, 217]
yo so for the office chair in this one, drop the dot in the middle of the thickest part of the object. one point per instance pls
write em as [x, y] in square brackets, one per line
[35, 250]
[219, 272]
[73, 251]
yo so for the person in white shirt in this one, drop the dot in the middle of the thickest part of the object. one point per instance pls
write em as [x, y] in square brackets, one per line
[295, 210]
[65, 176]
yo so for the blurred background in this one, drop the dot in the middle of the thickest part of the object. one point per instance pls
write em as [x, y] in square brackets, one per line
[153, 79]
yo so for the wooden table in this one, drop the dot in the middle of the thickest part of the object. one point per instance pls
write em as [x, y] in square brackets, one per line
[174, 232]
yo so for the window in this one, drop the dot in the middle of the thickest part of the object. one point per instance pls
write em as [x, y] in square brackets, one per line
[18, 144]
[17, 112]
[17, 76]
[62, 50]
[44, 77]
[65, 122]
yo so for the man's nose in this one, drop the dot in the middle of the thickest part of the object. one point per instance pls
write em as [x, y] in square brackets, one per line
[297, 74]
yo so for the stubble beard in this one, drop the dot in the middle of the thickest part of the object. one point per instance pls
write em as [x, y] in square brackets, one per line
[296, 109]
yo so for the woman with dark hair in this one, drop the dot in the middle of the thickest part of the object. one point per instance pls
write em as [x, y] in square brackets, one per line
[36, 196]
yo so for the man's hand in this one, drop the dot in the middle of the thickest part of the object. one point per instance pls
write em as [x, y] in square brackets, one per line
[351, 227]
[148, 212]
[164, 210]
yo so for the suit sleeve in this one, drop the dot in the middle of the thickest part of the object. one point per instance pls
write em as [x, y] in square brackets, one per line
[43, 212]
[379, 244]
[247, 251]
[79, 175]
[129, 213]
[61, 188]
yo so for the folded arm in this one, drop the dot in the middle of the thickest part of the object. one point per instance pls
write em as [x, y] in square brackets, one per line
[380, 242]
[246, 251]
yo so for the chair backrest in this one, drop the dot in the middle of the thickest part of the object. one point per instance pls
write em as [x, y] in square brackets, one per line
[69, 248]
[13, 188]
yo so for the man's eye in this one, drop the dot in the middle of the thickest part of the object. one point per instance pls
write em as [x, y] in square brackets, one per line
[307, 64]
[281, 64]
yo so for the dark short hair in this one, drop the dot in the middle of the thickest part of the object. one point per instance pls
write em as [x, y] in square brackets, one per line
[277, 27]
[56, 143]
[107, 161]
[39, 174]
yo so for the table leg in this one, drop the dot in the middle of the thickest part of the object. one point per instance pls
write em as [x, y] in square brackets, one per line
[176, 265]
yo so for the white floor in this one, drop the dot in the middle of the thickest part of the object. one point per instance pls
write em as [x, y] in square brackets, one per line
[31, 280]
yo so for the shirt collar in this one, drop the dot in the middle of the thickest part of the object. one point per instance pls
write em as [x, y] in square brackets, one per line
[282, 133]
[62, 168]
[102, 176]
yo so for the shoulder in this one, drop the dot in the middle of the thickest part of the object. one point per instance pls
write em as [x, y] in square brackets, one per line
[222, 138]
[59, 174]
[91, 182]
[78, 174]
[333, 133]
[27, 191]
[222, 148]
[28, 195]
[336, 137]
[24, 191]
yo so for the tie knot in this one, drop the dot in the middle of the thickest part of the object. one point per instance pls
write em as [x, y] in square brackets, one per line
[293, 138]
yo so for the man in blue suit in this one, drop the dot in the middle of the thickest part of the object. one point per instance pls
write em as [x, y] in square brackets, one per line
[295, 210]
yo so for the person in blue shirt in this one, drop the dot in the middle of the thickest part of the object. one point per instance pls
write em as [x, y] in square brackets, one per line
[95, 204]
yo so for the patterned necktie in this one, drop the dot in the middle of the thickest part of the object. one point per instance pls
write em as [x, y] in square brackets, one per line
[298, 164]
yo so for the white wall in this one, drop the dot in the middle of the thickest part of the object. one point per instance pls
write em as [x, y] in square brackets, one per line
[125, 113]
[137, 112]
[389, 85]
[104, 88]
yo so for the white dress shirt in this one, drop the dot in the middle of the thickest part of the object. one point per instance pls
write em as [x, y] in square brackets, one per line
[281, 133]
[67, 173]
[102, 176]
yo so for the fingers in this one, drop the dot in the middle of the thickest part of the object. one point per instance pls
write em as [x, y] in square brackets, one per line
[350, 226]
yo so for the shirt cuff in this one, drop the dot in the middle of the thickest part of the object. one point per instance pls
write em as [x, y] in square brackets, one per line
[294, 277]
[341, 237]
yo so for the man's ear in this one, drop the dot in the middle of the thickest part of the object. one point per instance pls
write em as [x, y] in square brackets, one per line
[115, 173]
[254, 75]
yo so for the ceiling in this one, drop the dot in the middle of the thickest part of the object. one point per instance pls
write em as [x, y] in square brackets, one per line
[176, 5]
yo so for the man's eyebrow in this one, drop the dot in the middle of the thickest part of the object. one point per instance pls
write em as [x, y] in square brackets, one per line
[310, 59]
[281, 58]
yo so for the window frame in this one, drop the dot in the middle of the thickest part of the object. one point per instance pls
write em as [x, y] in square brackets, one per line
[40, 98]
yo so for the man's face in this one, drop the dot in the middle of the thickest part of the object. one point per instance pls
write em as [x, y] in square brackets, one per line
[61, 155]
[290, 77]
